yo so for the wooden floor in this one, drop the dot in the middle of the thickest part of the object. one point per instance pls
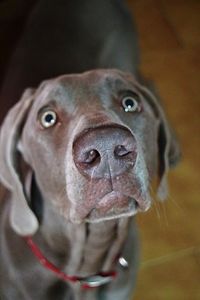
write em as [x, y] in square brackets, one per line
[169, 33]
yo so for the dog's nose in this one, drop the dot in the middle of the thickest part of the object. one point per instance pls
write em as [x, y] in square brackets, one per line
[105, 152]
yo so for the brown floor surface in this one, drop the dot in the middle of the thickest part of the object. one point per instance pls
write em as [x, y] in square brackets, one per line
[169, 32]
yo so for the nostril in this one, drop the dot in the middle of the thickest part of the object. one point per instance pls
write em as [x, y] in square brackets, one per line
[91, 156]
[89, 160]
[120, 151]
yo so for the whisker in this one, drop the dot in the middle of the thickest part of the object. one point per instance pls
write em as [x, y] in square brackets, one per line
[155, 203]
[176, 204]
[157, 209]
[163, 206]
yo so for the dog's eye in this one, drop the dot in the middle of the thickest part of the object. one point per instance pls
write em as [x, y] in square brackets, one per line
[48, 119]
[131, 103]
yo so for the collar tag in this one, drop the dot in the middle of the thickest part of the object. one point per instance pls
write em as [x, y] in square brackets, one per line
[97, 280]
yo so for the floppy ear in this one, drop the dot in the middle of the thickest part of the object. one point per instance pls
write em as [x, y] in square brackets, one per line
[23, 221]
[168, 147]
[169, 155]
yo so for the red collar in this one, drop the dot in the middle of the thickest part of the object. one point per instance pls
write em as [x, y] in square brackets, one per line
[85, 282]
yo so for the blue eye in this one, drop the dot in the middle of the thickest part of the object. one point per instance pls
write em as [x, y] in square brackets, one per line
[48, 119]
[131, 104]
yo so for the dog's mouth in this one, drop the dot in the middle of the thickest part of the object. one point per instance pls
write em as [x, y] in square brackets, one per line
[96, 215]
[115, 205]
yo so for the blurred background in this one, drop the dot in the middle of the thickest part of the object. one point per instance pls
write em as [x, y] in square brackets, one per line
[169, 34]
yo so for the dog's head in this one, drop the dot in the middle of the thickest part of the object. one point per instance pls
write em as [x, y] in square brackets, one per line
[94, 142]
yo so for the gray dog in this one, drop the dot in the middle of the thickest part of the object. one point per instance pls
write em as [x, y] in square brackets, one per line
[78, 154]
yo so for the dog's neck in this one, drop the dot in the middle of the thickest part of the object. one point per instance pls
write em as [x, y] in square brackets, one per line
[83, 249]
[80, 250]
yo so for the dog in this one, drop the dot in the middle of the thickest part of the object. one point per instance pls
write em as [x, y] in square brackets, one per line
[79, 149]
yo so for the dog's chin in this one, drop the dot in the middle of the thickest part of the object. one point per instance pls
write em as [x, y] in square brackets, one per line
[96, 216]
[113, 205]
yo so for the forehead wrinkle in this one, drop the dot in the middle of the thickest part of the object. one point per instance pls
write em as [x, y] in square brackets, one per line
[118, 85]
[109, 87]
[57, 94]
[113, 82]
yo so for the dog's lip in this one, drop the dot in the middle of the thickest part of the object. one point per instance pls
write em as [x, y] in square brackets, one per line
[119, 206]
[111, 199]
[130, 210]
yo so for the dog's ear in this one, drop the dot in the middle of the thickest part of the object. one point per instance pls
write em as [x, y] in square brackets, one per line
[168, 147]
[23, 220]
[169, 155]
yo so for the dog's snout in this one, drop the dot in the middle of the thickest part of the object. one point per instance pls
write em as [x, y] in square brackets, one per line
[105, 152]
